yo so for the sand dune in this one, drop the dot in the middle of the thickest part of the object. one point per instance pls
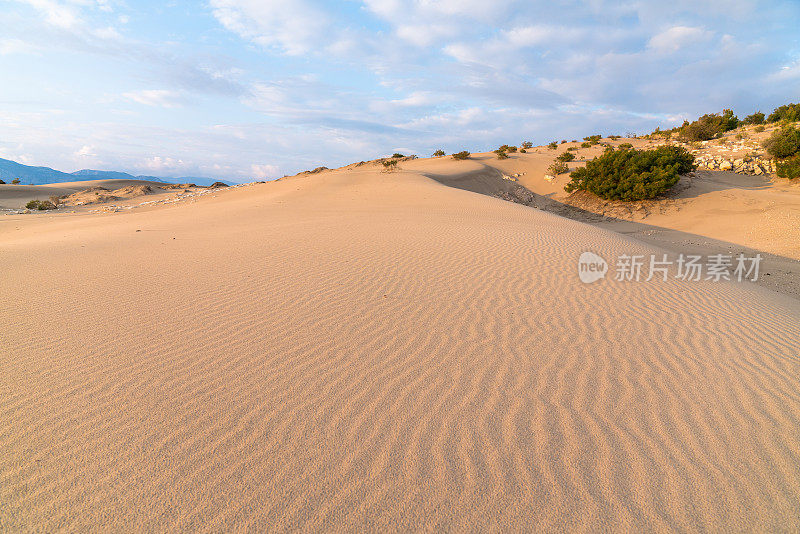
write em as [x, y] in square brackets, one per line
[357, 350]
[16, 196]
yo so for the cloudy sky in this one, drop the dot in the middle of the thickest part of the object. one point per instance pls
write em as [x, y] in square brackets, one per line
[252, 89]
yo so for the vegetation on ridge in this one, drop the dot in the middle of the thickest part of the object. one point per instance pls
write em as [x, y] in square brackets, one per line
[630, 174]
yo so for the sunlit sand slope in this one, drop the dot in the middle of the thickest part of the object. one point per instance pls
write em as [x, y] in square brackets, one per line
[366, 351]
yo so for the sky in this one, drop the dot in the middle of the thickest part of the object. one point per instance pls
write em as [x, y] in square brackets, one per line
[256, 89]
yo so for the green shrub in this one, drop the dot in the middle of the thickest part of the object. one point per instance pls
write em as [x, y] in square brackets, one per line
[40, 205]
[439, 153]
[571, 148]
[559, 167]
[630, 174]
[563, 141]
[789, 112]
[709, 126]
[593, 139]
[461, 155]
[397, 155]
[755, 118]
[625, 145]
[586, 144]
[15, 181]
[390, 164]
[507, 148]
[789, 168]
[501, 154]
[527, 145]
[523, 151]
[552, 146]
[783, 143]
[566, 156]
[760, 128]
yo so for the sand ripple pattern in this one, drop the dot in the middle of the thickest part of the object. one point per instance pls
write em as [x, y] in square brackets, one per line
[379, 352]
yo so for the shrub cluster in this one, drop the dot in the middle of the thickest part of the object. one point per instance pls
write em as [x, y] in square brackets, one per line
[527, 145]
[593, 139]
[709, 126]
[625, 145]
[788, 112]
[629, 174]
[552, 146]
[40, 205]
[461, 155]
[586, 144]
[390, 164]
[755, 118]
[783, 143]
[439, 153]
[566, 156]
[559, 167]
[397, 155]
[789, 168]
[501, 154]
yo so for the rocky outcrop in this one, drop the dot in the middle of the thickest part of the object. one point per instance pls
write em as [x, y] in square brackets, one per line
[753, 166]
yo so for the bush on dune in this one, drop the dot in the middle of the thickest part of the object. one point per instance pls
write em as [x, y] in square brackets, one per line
[566, 156]
[501, 154]
[40, 205]
[439, 153]
[788, 112]
[709, 126]
[789, 168]
[552, 146]
[630, 174]
[461, 155]
[755, 118]
[559, 167]
[783, 143]
[527, 145]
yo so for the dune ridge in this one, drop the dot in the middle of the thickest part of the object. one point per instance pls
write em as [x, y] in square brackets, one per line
[376, 351]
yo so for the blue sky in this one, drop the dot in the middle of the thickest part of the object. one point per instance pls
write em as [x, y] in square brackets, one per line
[254, 89]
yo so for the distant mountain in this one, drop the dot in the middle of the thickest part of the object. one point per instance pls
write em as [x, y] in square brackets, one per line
[10, 170]
[45, 175]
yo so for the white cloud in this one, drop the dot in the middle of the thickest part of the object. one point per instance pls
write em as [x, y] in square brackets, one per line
[58, 14]
[86, 151]
[265, 171]
[164, 98]
[15, 46]
[293, 27]
[163, 164]
[678, 37]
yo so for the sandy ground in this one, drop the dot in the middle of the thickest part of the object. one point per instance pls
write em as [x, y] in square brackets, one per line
[358, 350]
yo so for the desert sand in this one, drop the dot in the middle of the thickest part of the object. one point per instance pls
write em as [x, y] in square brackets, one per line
[361, 350]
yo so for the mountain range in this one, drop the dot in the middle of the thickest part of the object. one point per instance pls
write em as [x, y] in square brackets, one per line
[9, 170]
